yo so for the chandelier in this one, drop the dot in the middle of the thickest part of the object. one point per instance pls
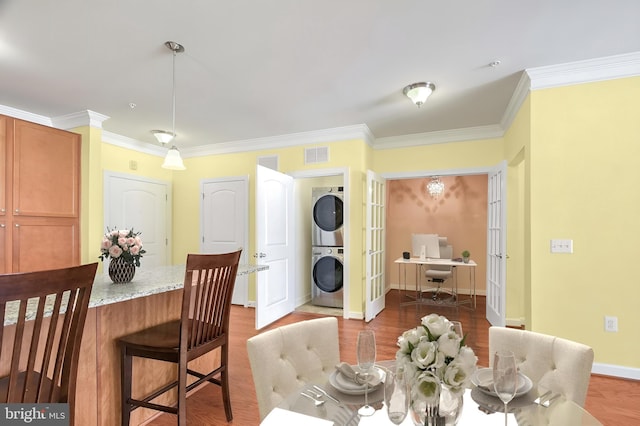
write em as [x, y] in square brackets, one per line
[435, 187]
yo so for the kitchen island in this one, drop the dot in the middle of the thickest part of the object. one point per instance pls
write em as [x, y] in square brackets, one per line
[154, 296]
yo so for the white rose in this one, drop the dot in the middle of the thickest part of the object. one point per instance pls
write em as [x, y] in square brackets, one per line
[426, 387]
[425, 353]
[467, 357]
[436, 324]
[449, 344]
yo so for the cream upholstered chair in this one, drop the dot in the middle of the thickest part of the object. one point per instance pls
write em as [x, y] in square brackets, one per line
[284, 359]
[560, 365]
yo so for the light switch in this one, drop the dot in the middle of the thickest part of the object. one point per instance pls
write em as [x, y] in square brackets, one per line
[561, 246]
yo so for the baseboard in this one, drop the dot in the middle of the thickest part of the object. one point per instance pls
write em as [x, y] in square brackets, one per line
[616, 371]
[514, 322]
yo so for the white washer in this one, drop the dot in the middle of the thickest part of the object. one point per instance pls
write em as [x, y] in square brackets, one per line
[327, 276]
[327, 217]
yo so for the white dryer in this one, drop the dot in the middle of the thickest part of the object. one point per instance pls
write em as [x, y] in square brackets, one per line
[327, 217]
[327, 276]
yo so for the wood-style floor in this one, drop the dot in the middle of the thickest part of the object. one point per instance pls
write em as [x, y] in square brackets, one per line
[614, 402]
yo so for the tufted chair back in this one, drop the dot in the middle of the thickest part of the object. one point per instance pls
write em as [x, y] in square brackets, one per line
[285, 358]
[557, 364]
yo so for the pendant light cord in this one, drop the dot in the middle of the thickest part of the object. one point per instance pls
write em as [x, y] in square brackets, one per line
[173, 129]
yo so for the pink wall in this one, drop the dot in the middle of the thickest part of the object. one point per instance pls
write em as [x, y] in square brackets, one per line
[460, 214]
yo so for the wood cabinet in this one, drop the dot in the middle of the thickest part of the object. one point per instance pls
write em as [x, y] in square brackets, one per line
[39, 197]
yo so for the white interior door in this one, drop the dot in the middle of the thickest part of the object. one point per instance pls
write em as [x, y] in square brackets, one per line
[496, 246]
[375, 286]
[275, 291]
[224, 224]
[142, 204]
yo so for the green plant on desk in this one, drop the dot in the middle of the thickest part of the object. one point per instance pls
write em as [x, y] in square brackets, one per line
[465, 256]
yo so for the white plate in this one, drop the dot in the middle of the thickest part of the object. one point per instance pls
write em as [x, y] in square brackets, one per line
[349, 387]
[483, 380]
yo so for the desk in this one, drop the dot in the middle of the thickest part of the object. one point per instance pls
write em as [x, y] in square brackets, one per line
[561, 413]
[454, 300]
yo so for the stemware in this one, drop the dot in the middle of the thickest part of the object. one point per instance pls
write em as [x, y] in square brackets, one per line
[366, 355]
[396, 396]
[505, 378]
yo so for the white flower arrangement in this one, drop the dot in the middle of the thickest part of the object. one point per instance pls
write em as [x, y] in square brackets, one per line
[433, 354]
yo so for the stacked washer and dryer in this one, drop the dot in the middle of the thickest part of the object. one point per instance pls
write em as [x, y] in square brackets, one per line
[327, 252]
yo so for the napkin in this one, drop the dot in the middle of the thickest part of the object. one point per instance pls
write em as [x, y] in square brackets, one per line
[279, 417]
[347, 371]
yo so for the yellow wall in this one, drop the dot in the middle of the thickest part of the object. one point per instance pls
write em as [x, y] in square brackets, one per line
[573, 154]
[585, 147]
[517, 140]
[186, 197]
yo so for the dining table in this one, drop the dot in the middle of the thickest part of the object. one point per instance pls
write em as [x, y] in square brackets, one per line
[331, 406]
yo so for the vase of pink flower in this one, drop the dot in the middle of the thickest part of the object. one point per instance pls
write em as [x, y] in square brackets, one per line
[124, 249]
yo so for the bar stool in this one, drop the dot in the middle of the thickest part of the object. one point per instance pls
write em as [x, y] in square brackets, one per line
[203, 326]
[43, 317]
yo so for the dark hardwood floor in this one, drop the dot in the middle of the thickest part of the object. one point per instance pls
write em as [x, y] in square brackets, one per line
[613, 401]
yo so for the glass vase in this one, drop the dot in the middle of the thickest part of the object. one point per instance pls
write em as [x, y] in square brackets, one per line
[446, 412]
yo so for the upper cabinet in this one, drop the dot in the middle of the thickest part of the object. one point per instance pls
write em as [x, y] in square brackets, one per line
[39, 196]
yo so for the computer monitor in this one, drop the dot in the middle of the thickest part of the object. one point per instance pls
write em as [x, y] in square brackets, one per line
[430, 242]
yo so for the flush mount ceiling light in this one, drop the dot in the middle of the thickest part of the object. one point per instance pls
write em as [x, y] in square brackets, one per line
[435, 187]
[172, 161]
[419, 92]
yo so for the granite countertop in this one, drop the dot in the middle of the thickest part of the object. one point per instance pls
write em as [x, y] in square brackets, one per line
[146, 282]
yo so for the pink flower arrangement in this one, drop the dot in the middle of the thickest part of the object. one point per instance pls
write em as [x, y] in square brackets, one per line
[125, 244]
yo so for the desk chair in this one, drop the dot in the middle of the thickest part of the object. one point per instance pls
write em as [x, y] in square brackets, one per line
[203, 326]
[285, 358]
[557, 364]
[40, 337]
[437, 275]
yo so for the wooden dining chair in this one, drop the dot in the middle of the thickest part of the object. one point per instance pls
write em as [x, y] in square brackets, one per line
[203, 326]
[43, 321]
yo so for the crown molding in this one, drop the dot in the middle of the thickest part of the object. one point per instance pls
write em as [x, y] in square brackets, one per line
[79, 119]
[358, 131]
[130, 143]
[519, 95]
[25, 115]
[591, 70]
[443, 136]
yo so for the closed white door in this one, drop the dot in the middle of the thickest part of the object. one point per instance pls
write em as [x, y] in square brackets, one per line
[141, 204]
[225, 223]
[496, 246]
[275, 291]
[375, 286]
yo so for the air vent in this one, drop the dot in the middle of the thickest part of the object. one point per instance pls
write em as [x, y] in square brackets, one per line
[270, 161]
[316, 155]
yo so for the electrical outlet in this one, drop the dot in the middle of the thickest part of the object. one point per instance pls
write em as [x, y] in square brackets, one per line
[611, 324]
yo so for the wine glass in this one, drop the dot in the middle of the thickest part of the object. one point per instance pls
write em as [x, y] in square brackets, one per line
[366, 355]
[396, 396]
[505, 377]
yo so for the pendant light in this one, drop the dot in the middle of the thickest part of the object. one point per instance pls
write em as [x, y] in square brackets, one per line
[172, 161]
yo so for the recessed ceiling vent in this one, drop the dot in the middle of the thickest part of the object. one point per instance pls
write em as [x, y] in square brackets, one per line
[316, 155]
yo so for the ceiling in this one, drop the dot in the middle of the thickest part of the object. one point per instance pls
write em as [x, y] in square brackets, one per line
[258, 69]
